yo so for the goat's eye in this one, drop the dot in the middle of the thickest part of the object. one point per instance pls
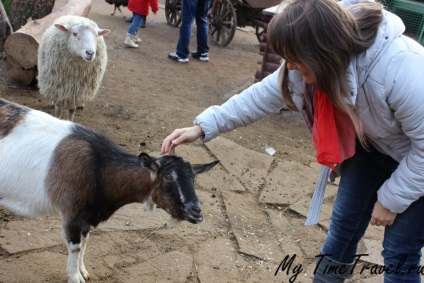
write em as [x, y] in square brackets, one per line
[167, 179]
[75, 34]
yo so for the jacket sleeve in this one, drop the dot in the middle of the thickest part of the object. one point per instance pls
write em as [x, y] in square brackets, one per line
[155, 5]
[254, 103]
[406, 99]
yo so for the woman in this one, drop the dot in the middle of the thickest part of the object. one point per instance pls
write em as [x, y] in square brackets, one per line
[359, 84]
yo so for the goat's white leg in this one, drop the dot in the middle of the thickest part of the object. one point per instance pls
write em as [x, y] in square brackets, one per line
[74, 274]
[82, 268]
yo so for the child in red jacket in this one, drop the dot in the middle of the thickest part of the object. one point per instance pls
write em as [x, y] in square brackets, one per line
[153, 3]
[140, 9]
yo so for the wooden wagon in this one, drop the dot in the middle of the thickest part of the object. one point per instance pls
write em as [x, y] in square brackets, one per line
[224, 16]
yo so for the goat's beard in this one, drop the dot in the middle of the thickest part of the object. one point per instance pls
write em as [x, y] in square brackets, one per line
[174, 222]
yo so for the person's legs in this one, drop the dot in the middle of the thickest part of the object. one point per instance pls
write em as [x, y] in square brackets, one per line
[133, 30]
[143, 21]
[132, 37]
[402, 245]
[361, 177]
[202, 26]
[188, 12]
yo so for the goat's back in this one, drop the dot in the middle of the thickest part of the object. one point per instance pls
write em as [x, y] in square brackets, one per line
[28, 139]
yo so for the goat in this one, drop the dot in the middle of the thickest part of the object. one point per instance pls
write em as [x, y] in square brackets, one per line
[118, 4]
[50, 166]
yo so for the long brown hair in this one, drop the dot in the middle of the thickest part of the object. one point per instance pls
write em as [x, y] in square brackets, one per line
[323, 35]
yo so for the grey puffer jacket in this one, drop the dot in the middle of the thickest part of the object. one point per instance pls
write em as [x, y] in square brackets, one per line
[387, 85]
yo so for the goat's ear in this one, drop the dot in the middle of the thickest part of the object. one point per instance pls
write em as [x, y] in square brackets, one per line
[203, 168]
[147, 161]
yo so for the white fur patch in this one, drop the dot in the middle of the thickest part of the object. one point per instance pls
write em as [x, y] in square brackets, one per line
[175, 178]
[149, 204]
[26, 153]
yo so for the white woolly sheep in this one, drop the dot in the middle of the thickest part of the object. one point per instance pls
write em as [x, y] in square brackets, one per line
[72, 59]
[50, 166]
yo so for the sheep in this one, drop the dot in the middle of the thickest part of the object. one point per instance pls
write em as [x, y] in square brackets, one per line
[72, 60]
[118, 4]
[50, 166]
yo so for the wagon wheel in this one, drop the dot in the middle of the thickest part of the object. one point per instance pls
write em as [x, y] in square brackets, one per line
[259, 31]
[173, 12]
[222, 22]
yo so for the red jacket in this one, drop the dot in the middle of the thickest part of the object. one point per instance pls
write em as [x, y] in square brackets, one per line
[141, 7]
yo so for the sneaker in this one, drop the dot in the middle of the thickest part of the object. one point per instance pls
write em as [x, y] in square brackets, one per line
[204, 57]
[176, 58]
[129, 41]
[136, 39]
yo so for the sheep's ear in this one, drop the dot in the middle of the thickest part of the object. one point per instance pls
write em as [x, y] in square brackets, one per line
[61, 27]
[203, 168]
[103, 32]
[147, 161]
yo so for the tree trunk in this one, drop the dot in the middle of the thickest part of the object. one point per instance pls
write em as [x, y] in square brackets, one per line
[21, 47]
[20, 11]
[5, 26]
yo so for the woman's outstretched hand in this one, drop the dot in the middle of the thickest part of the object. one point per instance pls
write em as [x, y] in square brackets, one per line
[179, 136]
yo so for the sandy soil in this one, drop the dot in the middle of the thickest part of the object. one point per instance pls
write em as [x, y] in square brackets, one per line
[144, 96]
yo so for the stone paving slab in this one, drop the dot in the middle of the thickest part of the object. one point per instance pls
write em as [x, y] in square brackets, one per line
[216, 261]
[38, 273]
[249, 166]
[133, 217]
[283, 188]
[174, 266]
[28, 234]
[250, 226]
[302, 206]
[291, 234]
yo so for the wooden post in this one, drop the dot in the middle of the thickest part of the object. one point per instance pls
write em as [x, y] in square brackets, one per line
[21, 47]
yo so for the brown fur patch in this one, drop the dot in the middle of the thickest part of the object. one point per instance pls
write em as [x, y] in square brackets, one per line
[10, 115]
[68, 181]
[80, 180]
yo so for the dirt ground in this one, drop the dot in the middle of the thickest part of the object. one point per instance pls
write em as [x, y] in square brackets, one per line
[144, 96]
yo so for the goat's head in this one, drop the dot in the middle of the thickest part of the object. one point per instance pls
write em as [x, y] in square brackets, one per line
[174, 189]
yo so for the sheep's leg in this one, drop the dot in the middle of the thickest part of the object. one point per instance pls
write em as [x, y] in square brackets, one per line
[82, 268]
[71, 114]
[58, 110]
[114, 10]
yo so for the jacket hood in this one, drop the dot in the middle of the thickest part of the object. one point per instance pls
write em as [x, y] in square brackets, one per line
[361, 64]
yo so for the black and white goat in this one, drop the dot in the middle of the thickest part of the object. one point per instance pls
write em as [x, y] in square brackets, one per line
[51, 166]
[118, 4]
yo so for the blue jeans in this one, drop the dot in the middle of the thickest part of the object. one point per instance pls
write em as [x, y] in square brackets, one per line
[135, 24]
[191, 10]
[361, 177]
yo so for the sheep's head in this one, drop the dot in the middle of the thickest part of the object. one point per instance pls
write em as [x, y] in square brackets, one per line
[82, 38]
[174, 190]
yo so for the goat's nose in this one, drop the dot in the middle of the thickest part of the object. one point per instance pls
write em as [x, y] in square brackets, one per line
[194, 212]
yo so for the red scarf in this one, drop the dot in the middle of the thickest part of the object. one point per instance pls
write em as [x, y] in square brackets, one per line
[333, 132]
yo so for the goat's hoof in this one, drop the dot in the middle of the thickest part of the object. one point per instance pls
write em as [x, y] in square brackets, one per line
[85, 274]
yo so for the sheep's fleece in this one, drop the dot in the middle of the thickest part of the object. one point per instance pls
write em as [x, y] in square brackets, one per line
[63, 77]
